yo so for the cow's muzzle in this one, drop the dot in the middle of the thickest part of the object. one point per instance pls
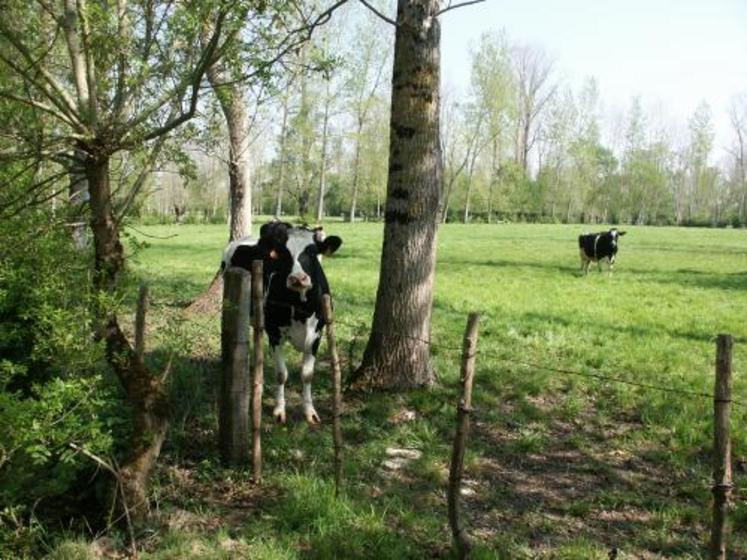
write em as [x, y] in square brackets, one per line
[299, 282]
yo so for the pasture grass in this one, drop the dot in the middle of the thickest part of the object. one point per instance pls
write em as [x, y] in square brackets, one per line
[560, 465]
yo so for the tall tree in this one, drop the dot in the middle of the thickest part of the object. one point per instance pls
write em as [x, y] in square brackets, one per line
[232, 100]
[397, 354]
[366, 67]
[323, 155]
[532, 71]
[131, 74]
[703, 203]
[493, 87]
[280, 187]
[461, 127]
[104, 102]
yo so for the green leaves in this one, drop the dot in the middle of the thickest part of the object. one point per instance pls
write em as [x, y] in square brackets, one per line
[52, 389]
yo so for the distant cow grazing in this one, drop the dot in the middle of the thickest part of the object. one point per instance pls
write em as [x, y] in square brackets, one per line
[598, 247]
[294, 284]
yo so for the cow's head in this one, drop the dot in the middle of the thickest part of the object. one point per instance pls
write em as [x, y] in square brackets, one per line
[616, 234]
[294, 253]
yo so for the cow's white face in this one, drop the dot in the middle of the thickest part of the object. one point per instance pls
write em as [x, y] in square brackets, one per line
[301, 255]
[616, 235]
[301, 247]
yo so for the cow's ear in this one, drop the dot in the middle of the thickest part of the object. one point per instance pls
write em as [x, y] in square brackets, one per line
[275, 230]
[621, 233]
[329, 245]
[268, 249]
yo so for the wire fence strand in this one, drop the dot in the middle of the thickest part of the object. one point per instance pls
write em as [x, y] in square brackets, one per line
[594, 374]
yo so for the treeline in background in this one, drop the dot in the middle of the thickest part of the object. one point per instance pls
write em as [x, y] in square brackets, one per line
[518, 144]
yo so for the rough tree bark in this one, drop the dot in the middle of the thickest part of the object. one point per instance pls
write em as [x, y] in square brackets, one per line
[145, 392]
[233, 105]
[397, 353]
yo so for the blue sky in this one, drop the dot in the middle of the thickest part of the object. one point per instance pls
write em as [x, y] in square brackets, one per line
[672, 53]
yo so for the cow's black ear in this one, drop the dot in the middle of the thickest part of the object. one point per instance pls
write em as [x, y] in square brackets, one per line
[265, 228]
[621, 233]
[274, 232]
[329, 245]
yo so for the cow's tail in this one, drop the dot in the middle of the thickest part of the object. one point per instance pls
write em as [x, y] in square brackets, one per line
[580, 241]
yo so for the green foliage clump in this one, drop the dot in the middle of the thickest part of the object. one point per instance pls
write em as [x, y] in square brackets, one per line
[52, 390]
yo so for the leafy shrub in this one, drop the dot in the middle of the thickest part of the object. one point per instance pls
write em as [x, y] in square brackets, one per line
[53, 393]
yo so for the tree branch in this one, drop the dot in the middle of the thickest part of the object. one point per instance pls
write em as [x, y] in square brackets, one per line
[304, 32]
[455, 6]
[142, 176]
[37, 105]
[64, 102]
[193, 80]
[378, 13]
[90, 65]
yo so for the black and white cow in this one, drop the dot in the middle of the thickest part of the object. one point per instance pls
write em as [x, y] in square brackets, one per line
[598, 247]
[294, 284]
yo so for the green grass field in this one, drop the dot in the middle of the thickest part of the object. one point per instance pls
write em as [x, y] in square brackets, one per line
[559, 465]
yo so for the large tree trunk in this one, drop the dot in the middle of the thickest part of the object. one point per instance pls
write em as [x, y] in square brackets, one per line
[144, 392]
[397, 354]
[233, 105]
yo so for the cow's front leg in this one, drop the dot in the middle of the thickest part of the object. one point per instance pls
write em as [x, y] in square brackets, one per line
[281, 373]
[307, 376]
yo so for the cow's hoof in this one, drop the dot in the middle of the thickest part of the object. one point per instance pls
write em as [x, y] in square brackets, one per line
[312, 418]
[279, 415]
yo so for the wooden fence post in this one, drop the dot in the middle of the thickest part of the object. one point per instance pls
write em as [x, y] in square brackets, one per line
[336, 389]
[469, 352]
[233, 406]
[142, 309]
[722, 479]
[258, 377]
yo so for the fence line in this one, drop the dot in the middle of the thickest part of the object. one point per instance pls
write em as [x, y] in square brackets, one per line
[721, 397]
[565, 371]
[594, 374]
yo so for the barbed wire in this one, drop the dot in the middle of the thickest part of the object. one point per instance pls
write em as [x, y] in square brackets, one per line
[594, 374]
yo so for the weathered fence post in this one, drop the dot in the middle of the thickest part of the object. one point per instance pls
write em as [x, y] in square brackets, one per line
[722, 480]
[142, 309]
[233, 406]
[469, 351]
[336, 390]
[258, 377]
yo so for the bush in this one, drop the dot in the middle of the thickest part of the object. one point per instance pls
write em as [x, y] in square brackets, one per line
[52, 374]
